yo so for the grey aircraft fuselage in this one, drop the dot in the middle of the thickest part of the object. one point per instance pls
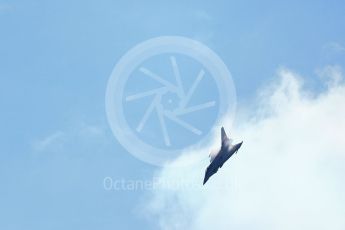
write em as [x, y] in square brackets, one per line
[225, 152]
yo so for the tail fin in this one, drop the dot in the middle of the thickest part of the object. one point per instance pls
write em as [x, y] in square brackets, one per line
[223, 135]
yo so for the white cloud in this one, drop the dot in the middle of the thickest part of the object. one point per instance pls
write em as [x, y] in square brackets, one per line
[289, 173]
[334, 47]
[331, 74]
[52, 139]
[61, 140]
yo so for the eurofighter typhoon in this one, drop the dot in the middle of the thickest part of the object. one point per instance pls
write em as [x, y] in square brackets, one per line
[219, 157]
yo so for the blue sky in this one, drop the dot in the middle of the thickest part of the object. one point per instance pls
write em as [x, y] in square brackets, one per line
[55, 60]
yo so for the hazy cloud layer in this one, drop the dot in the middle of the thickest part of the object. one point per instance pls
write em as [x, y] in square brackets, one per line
[289, 173]
[67, 140]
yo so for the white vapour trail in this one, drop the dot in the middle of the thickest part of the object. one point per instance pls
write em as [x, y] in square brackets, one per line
[289, 173]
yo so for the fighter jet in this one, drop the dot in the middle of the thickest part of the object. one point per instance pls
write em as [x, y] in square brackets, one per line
[219, 157]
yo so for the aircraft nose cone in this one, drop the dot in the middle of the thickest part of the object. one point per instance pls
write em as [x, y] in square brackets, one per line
[240, 144]
[205, 180]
